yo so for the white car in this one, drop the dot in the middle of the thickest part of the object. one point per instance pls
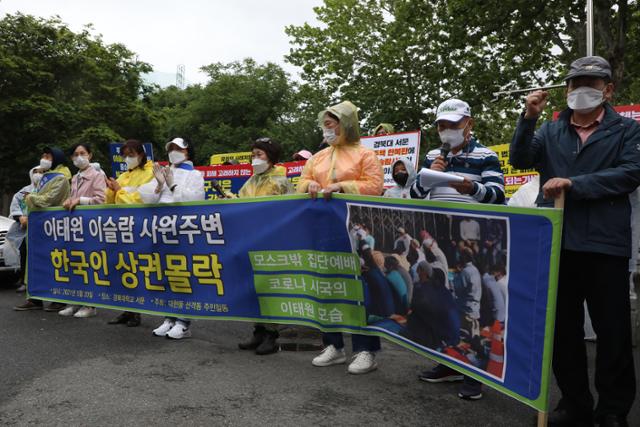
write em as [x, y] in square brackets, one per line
[5, 223]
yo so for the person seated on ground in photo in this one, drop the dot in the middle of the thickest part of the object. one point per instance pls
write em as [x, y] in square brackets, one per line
[499, 292]
[344, 166]
[434, 320]
[87, 188]
[469, 230]
[429, 244]
[399, 286]
[16, 244]
[302, 155]
[493, 305]
[135, 186]
[368, 237]
[415, 254]
[469, 293]
[356, 235]
[406, 276]
[379, 293]
[404, 238]
[383, 129]
[268, 179]
[52, 190]
[179, 182]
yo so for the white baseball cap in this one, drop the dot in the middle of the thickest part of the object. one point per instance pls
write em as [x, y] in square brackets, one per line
[453, 110]
[177, 141]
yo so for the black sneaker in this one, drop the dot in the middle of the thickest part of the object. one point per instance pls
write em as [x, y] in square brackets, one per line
[613, 421]
[259, 335]
[28, 305]
[120, 319]
[470, 389]
[134, 320]
[269, 345]
[441, 374]
[55, 306]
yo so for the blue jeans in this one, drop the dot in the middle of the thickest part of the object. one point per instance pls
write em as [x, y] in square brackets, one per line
[358, 342]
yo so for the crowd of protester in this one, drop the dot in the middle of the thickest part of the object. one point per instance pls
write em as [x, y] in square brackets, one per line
[450, 293]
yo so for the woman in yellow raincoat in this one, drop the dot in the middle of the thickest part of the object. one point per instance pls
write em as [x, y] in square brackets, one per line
[345, 166]
[268, 179]
[135, 186]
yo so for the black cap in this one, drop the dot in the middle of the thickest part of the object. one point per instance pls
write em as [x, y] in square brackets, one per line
[589, 66]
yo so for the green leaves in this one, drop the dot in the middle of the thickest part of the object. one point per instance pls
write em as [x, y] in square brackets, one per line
[58, 87]
[398, 59]
[241, 102]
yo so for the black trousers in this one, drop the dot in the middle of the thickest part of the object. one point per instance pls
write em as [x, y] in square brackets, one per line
[602, 280]
[23, 259]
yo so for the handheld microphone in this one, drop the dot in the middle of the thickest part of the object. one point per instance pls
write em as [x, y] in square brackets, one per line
[444, 150]
[216, 185]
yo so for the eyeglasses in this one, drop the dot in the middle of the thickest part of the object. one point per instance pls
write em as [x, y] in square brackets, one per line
[265, 140]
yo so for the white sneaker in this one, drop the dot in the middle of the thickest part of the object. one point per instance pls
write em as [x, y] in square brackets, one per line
[329, 356]
[86, 312]
[363, 362]
[68, 310]
[161, 331]
[179, 331]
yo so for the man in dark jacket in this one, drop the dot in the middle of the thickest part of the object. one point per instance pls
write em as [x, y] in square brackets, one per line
[592, 154]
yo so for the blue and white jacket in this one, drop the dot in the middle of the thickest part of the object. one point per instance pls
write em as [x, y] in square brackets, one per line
[477, 163]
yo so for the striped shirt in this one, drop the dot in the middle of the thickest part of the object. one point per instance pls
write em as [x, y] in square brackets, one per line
[477, 163]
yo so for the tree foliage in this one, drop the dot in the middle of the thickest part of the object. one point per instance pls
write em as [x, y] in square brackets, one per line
[241, 102]
[398, 59]
[58, 87]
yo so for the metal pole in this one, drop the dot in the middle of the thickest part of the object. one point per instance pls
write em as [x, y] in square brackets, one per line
[589, 27]
[497, 95]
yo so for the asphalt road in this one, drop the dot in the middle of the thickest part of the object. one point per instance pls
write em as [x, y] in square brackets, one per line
[58, 371]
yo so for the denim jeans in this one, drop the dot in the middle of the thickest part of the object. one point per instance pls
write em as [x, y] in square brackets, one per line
[358, 342]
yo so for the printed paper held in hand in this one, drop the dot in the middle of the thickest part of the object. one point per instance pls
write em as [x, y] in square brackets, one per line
[430, 178]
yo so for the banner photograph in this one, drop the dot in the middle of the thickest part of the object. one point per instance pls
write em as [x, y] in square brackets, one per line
[460, 310]
[481, 298]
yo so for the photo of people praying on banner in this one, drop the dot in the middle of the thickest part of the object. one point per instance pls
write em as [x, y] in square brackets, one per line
[437, 279]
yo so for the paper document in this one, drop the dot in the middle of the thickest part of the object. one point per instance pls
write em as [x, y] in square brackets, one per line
[430, 178]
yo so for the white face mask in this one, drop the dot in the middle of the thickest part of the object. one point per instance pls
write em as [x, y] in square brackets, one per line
[259, 166]
[455, 137]
[45, 164]
[36, 177]
[428, 242]
[132, 162]
[176, 157]
[329, 135]
[81, 162]
[585, 99]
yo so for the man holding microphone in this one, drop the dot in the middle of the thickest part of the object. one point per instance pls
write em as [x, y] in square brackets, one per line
[592, 154]
[463, 155]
